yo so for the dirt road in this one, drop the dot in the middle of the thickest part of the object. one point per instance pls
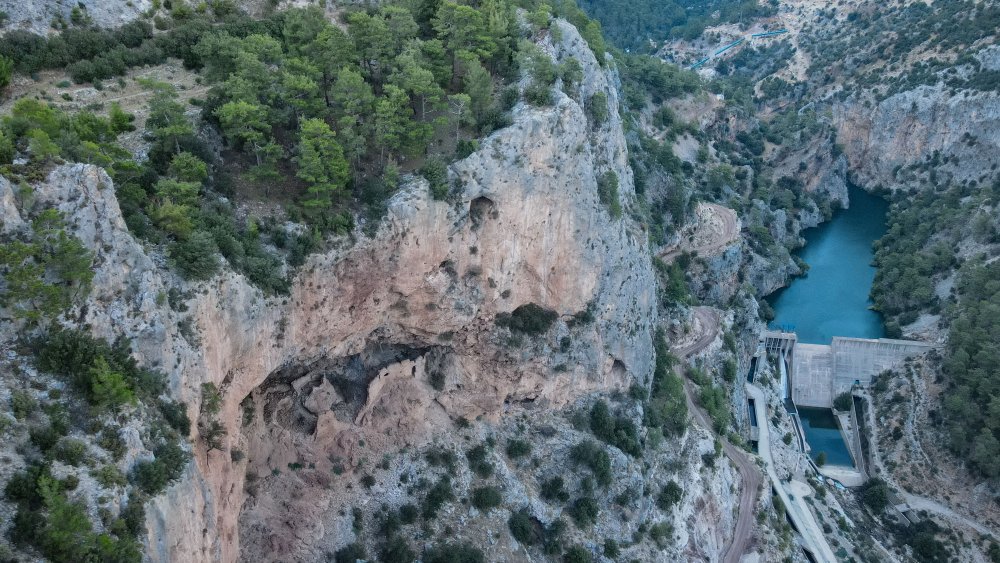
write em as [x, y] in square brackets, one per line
[717, 228]
[914, 501]
[707, 323]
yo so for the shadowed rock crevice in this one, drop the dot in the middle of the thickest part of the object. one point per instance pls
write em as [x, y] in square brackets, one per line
[295, 395]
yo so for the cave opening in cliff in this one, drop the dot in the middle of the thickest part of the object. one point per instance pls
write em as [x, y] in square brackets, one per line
[480, 209]
[290, 395]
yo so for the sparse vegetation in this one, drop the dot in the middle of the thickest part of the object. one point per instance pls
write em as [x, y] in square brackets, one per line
[843, 402]
[593, 456]
[528, 319]
[618, 431]
[486, 498]
[518, 449]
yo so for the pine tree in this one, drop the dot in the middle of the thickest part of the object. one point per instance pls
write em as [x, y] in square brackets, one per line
[321, 163]
[392, 122]
[245, 123]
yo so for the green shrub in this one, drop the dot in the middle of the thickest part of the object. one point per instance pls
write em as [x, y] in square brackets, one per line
[875, 494]
[87, 363]
[594, 457]
[436, 173]
[716, 404]
[52, 270]
[454, 553]
[211, 399]
[436, 379]
[670, 495]
[167, 466]
[607, 193]
[132, 519]
[577, 554]
[844, 402]
[538, 95]
[553, 490]
[441, 457]
[350, 553]
[729, 370]
[57, 527]
[195, 257]
[109, 476]
[22, 404]
[477, 461]
[108, 388]
[70, 451]
[597, 108]
[112, 442]
[584, 512]
[176, 416]
[437, 497]
[396, 550]
[618, 431]
[528, 319]
[660, 533]
[518, 448]
[552, 544]
[44, 437]
[524, 527]
[408, 513]
[486, 498]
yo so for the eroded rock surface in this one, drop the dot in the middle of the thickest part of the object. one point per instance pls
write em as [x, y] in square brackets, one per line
[525, 228]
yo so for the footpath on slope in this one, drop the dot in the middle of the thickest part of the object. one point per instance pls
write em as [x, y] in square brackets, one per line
[717, 228]
[795, 504]
[707, 323]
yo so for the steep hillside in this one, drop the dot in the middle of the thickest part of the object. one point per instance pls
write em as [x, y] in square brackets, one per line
[899, 98]
[427, 325]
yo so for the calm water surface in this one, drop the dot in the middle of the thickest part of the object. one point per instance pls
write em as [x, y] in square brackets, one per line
[832, 300]
[823, 435]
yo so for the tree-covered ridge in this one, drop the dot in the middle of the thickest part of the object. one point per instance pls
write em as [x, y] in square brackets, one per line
[919, 252]
[876, 46]
[347, 107]
[322, 118]
[633, 24]
[972, 408]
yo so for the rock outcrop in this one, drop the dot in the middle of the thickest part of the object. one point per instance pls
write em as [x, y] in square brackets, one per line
[526, 227]
[910, 127]
[38, 17]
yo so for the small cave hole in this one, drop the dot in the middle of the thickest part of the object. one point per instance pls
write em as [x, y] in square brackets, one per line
[480, 209]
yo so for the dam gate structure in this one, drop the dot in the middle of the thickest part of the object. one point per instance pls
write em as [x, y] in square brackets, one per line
[813, 375]
[818, 373]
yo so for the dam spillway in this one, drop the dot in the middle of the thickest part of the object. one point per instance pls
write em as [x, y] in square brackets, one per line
[818, 372]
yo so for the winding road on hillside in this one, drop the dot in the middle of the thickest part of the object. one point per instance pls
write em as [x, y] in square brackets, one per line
[916, 502]
[707, 323]
[717, 228]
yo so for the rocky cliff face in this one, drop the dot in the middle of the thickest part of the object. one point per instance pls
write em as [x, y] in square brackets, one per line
[912, 126]
[340, 370]
[38, 17]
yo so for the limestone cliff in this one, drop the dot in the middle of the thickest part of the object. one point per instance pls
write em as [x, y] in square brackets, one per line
[913, 126]
[382, 314]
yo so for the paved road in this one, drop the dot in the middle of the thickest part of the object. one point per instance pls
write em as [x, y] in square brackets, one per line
[795, 505]
[708, 323]
[717, 238]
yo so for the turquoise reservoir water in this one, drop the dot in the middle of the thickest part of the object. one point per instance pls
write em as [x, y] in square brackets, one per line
[823, 435]
[832, 300]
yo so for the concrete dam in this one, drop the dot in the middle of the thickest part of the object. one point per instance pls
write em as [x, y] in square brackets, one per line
[817, 373]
